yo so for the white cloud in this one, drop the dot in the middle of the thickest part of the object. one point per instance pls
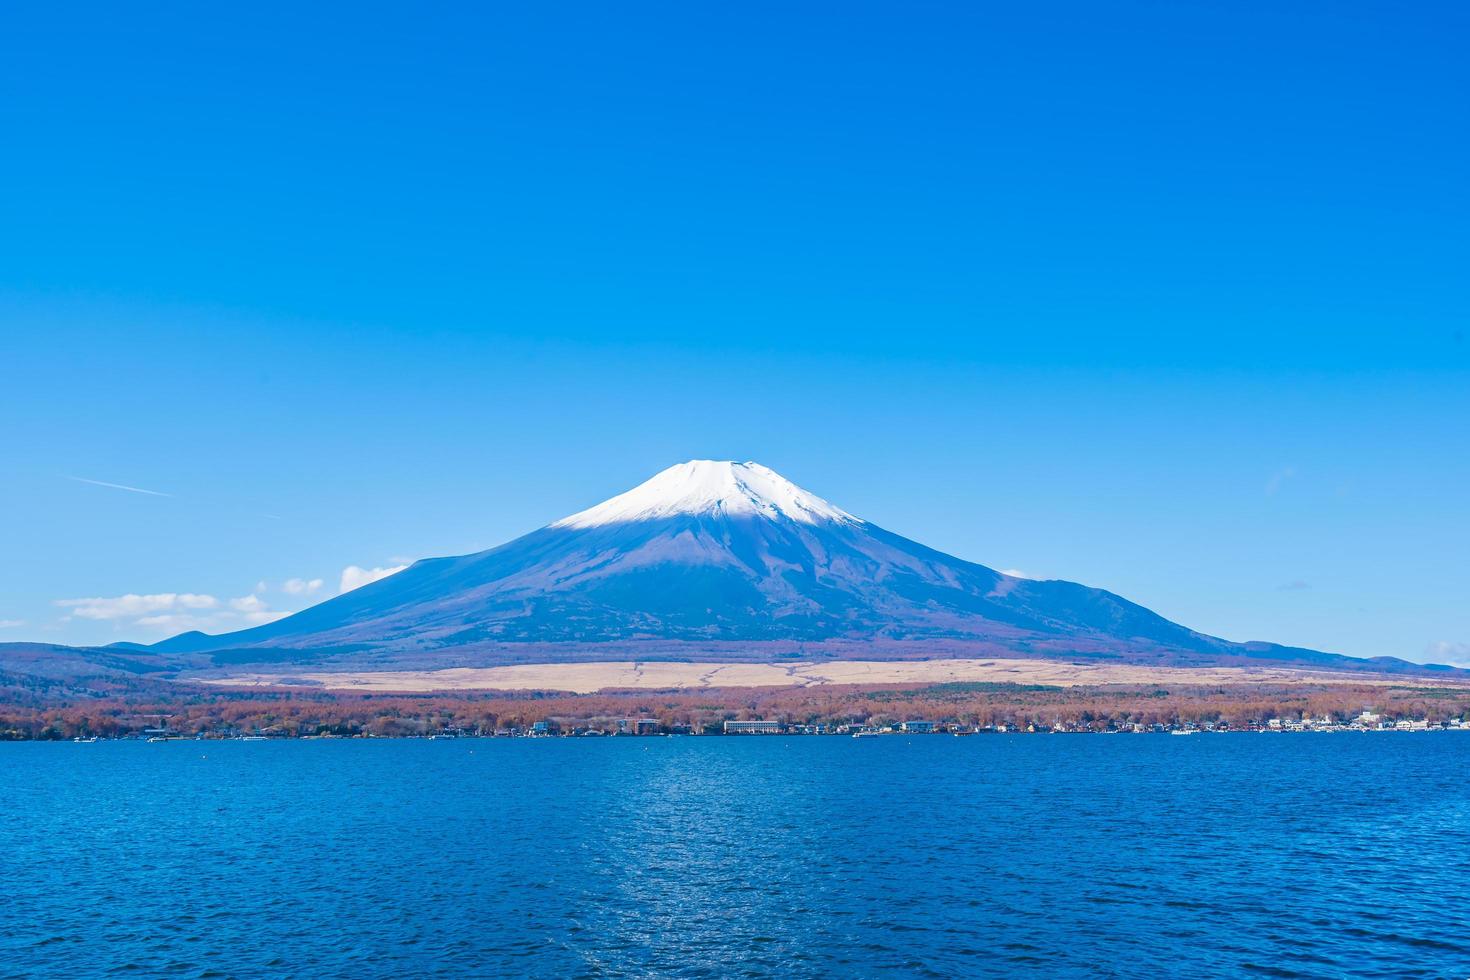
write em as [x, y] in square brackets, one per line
[1016, 573]
[1447, 652]
[133, 605]
[301, 586]
[167, 613]
[354, 577]
[6, 624]
[223, 622]
[173, 612]
[248, 604]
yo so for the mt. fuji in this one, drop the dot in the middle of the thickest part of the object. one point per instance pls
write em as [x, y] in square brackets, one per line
[721, 561]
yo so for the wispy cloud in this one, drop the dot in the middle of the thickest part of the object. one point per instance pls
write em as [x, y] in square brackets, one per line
[1449, 652]
[1279, 479]
[176, 612]
[354, 577]
[119, 486]
[1295, 585]
[1016, 573]
[133, 605]
[220, 622]
[8, 624]
[173, 611]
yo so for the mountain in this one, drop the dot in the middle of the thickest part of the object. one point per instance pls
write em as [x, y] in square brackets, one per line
[721, 561]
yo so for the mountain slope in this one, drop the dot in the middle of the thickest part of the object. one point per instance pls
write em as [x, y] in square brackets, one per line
[727, 561]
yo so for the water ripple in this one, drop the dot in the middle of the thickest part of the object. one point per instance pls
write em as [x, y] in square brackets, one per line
[1014, 857]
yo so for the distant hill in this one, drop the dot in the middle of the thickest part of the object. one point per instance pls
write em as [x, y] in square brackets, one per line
[730, 562]
[35, 672]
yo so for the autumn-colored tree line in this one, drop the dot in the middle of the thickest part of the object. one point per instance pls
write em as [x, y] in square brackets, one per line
[198, 709]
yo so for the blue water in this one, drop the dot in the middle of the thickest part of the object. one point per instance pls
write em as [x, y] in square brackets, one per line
[1008, 856]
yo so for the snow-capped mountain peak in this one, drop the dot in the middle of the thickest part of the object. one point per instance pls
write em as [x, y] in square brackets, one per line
[714, 487]
[727, 561]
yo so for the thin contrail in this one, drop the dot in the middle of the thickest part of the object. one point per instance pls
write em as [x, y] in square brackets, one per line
[119, 486]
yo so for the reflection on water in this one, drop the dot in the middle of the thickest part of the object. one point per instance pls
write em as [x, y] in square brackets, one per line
[931, 856]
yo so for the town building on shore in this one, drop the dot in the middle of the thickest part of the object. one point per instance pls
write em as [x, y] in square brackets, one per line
[753, 726]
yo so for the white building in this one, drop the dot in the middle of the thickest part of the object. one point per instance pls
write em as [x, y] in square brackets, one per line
[754, 726]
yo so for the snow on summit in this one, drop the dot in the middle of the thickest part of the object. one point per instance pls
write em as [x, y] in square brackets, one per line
[661, 569]
[707, 486]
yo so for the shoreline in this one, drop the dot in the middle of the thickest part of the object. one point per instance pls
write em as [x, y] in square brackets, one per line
[627, 736]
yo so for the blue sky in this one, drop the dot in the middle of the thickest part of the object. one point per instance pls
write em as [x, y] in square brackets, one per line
[1164, 298]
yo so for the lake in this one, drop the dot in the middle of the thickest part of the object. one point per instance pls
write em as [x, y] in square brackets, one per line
[1328, 855]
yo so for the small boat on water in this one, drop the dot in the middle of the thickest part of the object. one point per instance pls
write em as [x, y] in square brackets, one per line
[864, 734]
[85, 741]
[1185, 731]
